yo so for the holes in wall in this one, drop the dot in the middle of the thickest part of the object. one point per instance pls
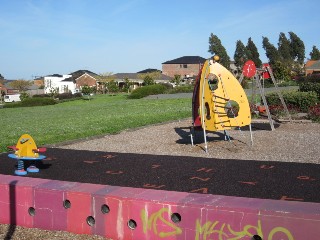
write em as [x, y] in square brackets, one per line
[132, 224]
[256, 237]
[175, 217]
[31, 211]
[105, 209]
[66, 204]
[91, 221]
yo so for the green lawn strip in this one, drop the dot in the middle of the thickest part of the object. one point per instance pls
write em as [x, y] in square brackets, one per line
[78, 119]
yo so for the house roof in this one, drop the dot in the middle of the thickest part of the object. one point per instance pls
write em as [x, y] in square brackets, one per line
[186, 60]
[55, 75]
[136, 76]
[149, 70]
[69, 79]
[79, 73]
[314, 65]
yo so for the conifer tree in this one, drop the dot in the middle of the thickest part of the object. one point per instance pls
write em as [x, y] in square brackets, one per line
[253, 53]
[240, 55]
[284, 48]
[297, 48]
[315, 53]
[216, 48]
[271, 51]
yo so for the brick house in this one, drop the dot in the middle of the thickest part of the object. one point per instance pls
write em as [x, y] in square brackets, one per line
[312, 67]
[85, 77]
[136, 80]
[186, 67]
[72, 82]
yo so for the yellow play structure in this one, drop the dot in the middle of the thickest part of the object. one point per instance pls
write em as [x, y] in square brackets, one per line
[219, 102]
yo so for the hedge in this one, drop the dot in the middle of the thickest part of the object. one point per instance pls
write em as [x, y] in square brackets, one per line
[31, 102]
[301, 100]
[147, 90]
[310, 87]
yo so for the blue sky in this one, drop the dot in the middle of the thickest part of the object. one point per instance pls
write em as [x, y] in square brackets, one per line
[42, 37]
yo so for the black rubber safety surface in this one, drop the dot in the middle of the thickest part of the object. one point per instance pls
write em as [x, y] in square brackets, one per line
[243, 178]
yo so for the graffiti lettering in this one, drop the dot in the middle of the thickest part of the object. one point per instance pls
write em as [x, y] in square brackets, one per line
[155, 166]
[286, 198]
[249, 183]
[306, 178]
[113, 172]
[202, 179]
[224, 231]
[205, 170]
[153, 222]
[266, 166]
[203, 190]
[153, 186]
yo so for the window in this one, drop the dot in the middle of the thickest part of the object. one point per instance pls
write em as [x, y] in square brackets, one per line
[183, 65]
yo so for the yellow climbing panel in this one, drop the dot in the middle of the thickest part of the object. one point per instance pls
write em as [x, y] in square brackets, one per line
[222, 100]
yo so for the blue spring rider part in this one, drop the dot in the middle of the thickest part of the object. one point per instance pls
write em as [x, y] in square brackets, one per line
[26, 150]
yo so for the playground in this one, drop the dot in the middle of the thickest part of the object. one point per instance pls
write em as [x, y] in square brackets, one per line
[217, 175]
[289, 152]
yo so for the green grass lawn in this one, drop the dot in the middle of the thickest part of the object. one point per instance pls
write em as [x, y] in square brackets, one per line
[78, 119]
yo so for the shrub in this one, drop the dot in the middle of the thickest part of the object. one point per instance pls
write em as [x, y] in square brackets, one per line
[77, 95]
[309, 78]
[41, 95]
[182, 89]
[310, 87]
[279, 110]
[62, 96]
[288, 83]
[301, 100]
[147, 90]
[314, 113]
[24, 96]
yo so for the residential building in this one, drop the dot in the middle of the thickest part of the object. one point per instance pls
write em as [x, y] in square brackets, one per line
[72, 82]
[186, 67]
[59, 83]
[312, 67]
[136, 80]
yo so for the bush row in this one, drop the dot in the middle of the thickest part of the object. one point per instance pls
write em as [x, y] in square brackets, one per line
[181, 89]
[147, 90]
[310, 87]
[301, 100]
[309, 78]
[60, 96]
[31, 102]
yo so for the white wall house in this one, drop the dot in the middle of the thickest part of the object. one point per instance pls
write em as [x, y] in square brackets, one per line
[62, 83]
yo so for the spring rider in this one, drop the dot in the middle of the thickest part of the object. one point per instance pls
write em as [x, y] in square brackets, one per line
[26, 150]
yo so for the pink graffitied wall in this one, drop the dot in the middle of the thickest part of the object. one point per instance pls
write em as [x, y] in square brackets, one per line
[130, 213]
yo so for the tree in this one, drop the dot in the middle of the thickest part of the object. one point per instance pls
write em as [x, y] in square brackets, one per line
[240, 55]
[176, 79]
[297, 48]
[315, 53]
[112, 87]
[281, 71]
[284, 49]
[21, 85]
[252, 53]
[86, 90]
[271, 51]
[149, 78]
[216, 48]
[1, 77]
[104, 79]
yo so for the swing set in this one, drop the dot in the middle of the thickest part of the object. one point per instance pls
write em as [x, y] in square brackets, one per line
[219, 102]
